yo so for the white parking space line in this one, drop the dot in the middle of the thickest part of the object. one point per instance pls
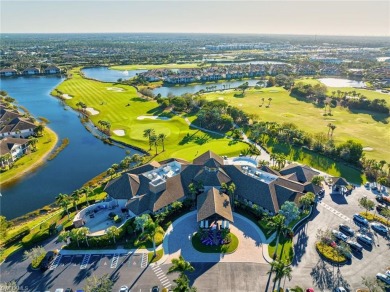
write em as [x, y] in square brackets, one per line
[55, 263]
[85, 262]
[114, 261]
[161, 276]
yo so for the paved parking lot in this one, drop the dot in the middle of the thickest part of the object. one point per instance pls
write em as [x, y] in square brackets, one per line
[310, 270]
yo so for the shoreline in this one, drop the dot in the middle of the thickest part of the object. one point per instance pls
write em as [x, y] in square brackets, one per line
[36, 164]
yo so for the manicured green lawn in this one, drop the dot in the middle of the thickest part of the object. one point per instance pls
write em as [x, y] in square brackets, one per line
[226, 248]
[150, 67]
[159, 255]
[122, 109]
[285, 249]
[367, 128]
[44, 146]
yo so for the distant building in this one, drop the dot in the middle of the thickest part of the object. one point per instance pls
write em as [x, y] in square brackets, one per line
[31, 71]
[52, 70]
[8, 72]
[13, 125]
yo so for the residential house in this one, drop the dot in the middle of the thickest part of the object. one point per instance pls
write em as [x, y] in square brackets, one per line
[13, 125]
[16, 147]
[52, 70]
[31, 71]
[8, 72]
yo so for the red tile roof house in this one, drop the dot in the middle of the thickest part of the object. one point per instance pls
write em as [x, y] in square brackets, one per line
[152, 187]
[12, 125]
[16, 147]
[31, 71]
[8, 72]
[52, 70]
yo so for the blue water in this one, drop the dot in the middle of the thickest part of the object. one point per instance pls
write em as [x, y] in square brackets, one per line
[105, 74]
[84, 157]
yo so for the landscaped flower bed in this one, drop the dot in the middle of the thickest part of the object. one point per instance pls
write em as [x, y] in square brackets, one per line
[330, 253]
[372, 217]
[227, 245]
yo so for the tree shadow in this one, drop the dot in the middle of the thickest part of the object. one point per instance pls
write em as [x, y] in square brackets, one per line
[322, 275]
[239, 95]
[158, 110]
[378, 117]
[338, 198]
[300, 246]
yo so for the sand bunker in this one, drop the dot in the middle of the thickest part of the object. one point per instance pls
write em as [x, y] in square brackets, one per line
[153, 118]
[119, 132]
[368, 149]
[274, 91]
[66, 96]
[220, 98]
[92, 111]
[116, 89]
[240, 104]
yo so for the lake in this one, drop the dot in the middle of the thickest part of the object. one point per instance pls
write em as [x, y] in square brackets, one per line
[85, 157]
[105, 74]
[339, 82]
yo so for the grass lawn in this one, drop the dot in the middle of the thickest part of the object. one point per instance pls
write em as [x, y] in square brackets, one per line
[45, 145]
[226, 248]
[285, 249]
[367, 128]
[181, 141]
[159, 254]
[150, 67]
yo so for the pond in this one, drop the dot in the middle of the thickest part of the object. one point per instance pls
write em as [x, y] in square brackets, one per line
[105, 74]
[84, 157]
[339, 82]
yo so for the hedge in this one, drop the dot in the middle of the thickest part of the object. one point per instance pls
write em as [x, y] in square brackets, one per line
[21, 233]
[373, 217]
[37, 262]
[330, 253]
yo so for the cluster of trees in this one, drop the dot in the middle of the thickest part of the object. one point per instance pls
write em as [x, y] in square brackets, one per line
[378, 171]
[155, 139]
[182, 267]
[125, 164]
[315, 93]
[104, 126]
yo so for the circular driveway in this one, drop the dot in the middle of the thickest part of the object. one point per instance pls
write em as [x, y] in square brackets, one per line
[177, 241]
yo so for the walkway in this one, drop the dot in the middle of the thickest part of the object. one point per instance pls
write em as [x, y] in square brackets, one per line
[252, 242]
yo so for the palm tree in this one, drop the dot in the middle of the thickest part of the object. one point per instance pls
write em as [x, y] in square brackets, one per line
[33, 142]
[193, 190]
[281, 271]
[180, 265]
[75, 196]
[39, 129]
[63, 201]
[148, 133]
[230, 191]
[63, 237]
[87, 192]
[112, 232]
[153, 140]
[110, 171]
[151, 229]
[83, 233]
[161, 137]
[183, 284]
[269, 101]
[276, 223]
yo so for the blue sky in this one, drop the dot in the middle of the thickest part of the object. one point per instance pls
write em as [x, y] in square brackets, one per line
[219, 16]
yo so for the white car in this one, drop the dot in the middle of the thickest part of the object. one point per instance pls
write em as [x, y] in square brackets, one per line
[124, 289]
[339, 235]
[340, 289]
[383, 278]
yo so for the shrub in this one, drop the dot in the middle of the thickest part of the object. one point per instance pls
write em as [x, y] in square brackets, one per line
[330, 253]
[373, 217]
[21, 233]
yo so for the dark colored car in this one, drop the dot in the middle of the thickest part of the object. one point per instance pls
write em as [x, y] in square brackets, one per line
[354, 246]
[346, 230]
[155, 289]
[380, 207]
[45, 263]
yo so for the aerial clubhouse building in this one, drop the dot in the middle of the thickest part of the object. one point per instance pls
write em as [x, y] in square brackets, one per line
[152, 187]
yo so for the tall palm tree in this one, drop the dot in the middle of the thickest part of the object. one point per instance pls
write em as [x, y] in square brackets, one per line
[276, 223]
[180, 265]
[148, 133]
[269, 101]
[83, 234]
[230, 191]
[161, 137]
[112, 232]
[153, 140]
[281, 271]
[151, 229]
[63, 201]
[33, 142]
[75, 196]
[183, 284]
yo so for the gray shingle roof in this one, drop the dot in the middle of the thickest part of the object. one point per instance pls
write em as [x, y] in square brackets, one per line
[212, 178]
[304, 173]
[202, 159]
[172, 193]
[6, 144]
[214, 203]
[340, 181]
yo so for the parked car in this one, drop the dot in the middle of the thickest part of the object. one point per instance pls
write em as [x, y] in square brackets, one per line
[346, 229]
[340, 289]
[374, 187]
[321, 193]
[59, 290]
[364, 239]
[384, 278]
[124, 289]
[339, 235]
[354, 246]
[47, 260]
[380, 228]
[360, 219]
[367, 185]
[380, 207]
[68, 290]
[155, 289]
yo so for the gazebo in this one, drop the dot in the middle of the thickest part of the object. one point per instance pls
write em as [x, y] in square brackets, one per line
[339, 184]
[214, 206]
